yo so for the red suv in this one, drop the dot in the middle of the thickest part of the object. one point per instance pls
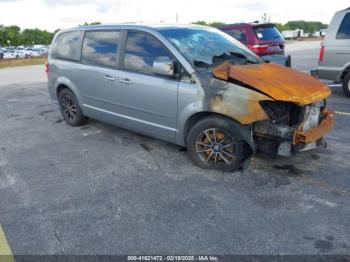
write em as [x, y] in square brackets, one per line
[263, 39]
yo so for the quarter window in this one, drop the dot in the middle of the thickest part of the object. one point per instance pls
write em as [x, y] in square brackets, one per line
[142, 50]
[67, 46]
[344, 29]
[100, 48]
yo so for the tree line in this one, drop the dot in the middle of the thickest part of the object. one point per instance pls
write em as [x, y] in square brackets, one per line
[13, 35]
[307, 26]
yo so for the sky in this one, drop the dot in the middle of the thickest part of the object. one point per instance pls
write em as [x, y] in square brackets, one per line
[58, 14]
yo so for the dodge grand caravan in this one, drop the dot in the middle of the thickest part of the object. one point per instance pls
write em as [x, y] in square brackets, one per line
[190, 85]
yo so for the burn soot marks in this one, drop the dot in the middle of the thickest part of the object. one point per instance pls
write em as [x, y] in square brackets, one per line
[292, 170]
[323, 245]
[59, 121]
[46, 112]
[146, 147]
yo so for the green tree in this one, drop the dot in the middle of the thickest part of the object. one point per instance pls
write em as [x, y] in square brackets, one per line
[11, 34]
[307, 26]
[213, 24]
[216, 24]
[282, 27]
[36, 36]
[200, 22]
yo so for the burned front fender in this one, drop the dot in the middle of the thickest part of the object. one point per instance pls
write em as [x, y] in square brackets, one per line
[232, 99]
[239, 103]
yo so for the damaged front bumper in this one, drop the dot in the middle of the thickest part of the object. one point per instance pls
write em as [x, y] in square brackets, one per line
[314, 134]
[283, 139]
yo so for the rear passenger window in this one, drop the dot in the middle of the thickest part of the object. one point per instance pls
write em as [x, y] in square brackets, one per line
[237, 34]
[142, 50]
[100, 48]
[344, 29]
[67, 46]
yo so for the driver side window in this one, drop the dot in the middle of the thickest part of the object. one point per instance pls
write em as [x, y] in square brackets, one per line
[142, 50]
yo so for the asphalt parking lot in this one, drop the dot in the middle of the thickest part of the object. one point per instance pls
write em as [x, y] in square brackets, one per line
[100, 189]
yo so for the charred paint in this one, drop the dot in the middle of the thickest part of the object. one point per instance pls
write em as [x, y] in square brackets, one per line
[240, 103]
[235, 101]
[280, 83]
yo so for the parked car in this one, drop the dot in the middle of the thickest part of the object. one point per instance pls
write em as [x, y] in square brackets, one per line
[334, 60]
[9, 54]
[189, 85]
[263, 39]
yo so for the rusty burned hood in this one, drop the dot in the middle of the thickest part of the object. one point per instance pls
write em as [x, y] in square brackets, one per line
[278, 82]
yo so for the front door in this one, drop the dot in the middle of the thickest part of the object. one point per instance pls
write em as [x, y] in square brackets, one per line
[147, 100]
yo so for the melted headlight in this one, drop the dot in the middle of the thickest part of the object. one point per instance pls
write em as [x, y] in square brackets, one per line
[283, 112]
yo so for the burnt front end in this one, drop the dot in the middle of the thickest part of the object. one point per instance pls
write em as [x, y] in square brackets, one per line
[291, 127]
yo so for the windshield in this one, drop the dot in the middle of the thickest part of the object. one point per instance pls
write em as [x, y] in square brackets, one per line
[208, 47]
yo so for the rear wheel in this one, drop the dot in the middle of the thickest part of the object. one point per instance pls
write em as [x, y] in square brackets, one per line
[346, 85]
[212, 144]
[70, 109]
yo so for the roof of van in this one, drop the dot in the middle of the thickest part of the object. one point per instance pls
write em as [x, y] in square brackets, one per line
[133, 26]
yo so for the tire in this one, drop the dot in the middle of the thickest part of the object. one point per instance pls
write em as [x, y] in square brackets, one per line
[208, 144]
[346, 85]
[70, 109]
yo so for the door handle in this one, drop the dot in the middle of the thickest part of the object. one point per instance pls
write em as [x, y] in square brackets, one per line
[126, 81]
[110, 78]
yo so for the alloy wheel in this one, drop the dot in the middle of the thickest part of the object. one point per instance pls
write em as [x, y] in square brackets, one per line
[69, 108]
[216, 147]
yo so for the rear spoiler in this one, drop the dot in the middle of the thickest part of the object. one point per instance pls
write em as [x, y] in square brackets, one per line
[263, 25]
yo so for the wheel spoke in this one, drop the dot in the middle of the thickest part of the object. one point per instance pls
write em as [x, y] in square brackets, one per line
[228, 154]
[204, 150]
[208, 136]
[216, 158]
[202, 144]
[226, 146]
[222, 141]
[224, 158]
[211, 154]
[214, 134]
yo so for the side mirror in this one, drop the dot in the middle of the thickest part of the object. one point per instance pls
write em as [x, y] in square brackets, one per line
[163, 66]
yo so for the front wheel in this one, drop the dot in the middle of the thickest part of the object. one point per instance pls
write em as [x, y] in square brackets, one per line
[346, 85]
[70, 109]
[213, 144]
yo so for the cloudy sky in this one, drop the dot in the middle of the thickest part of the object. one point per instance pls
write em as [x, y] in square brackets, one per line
[54, 14]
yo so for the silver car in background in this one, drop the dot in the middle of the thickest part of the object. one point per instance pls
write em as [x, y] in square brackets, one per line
[334, 61]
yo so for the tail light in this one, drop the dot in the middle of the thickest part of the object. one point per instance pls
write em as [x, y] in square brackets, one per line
[321, 54]
[47, 67]
[259, 48]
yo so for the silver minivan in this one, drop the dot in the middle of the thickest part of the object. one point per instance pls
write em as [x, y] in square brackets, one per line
[189, 85]
[334, 61]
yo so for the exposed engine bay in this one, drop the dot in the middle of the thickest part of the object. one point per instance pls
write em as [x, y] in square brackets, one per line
[277, 135]
[287, 109]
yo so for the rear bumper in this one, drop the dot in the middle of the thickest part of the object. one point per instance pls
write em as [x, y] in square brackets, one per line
[315, 134]
[327, 73]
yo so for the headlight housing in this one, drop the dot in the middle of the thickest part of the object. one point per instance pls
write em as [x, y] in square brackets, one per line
[283, 112]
